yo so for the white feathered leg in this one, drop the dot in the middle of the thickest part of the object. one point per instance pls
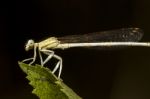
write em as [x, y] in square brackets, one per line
[33, 58]
[51, 54]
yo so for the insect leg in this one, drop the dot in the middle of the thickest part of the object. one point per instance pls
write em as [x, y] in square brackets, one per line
[50, 55]
[33, 58]
[60, 66]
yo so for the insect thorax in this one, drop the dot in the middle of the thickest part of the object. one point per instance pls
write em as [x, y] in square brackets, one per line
[49, 43]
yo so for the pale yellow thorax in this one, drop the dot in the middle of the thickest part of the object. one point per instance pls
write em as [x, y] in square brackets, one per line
[49, 43]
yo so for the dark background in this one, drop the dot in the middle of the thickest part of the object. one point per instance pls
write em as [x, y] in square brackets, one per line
[93, 74]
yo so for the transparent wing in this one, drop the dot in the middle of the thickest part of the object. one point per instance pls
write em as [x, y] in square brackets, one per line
[119, 35]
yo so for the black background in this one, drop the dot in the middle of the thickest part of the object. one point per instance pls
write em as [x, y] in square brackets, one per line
[93, 74]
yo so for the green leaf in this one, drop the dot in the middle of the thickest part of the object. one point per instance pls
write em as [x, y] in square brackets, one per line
[46, 85]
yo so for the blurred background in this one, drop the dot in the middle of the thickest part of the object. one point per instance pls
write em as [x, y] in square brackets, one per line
[92, 74]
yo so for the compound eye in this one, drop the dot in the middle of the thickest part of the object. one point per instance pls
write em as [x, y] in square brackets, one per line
[31, 42]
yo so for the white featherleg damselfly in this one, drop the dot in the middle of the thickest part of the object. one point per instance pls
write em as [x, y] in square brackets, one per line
[106, 39]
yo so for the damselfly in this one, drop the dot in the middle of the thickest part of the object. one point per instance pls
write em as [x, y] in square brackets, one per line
[105, 39]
